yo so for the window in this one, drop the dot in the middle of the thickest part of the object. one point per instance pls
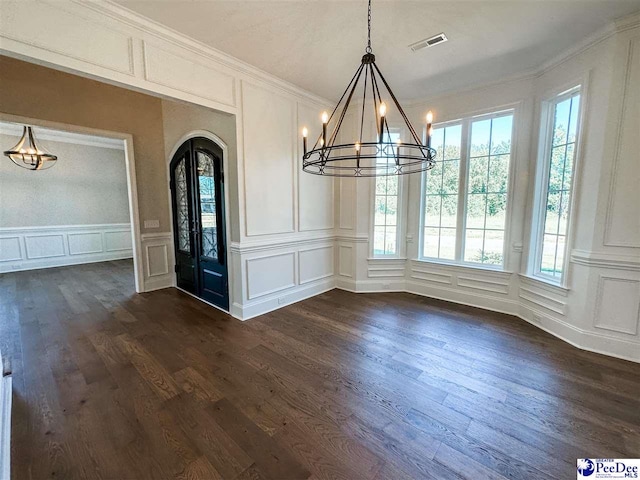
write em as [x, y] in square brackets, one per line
[385, 224]
[559, 134]
[441, 194]
[465, 194]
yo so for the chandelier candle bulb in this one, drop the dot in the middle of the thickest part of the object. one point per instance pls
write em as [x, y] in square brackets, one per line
[325, 120]
[429, 127]
[305, 132]
[358, 154]
[383, 113]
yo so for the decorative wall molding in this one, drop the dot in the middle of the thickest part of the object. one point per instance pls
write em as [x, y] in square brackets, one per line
[316, 263]
[195, 76]
[279, 243]
[270, 274]
[627, 126]
[606, 260]
[157, 260]
[617, 304]
[31, 248]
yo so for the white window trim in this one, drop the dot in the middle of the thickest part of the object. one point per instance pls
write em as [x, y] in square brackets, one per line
[465, 122]
[400, 210]
[543, 164]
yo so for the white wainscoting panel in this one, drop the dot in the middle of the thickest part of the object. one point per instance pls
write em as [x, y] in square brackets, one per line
[10, 249]
[85, 243]
[196, 77]
[85, 40]
[623, 211]
[43, 247]
[158, 261]
[315, 264]
[345, 260]
[618, 304]
[270, 274]
[315, 192]
[117, 240]
[268, 129]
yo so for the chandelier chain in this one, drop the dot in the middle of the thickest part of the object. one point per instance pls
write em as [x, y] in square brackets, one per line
[368, 49]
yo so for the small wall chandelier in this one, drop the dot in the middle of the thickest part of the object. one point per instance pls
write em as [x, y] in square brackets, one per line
[360, 158]
[27, 154]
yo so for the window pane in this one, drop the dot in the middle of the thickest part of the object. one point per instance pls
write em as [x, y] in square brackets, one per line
[448, 243]
[480, 137]
[559, 256]
[556, 168]
[390, 241]
[392, 185]
[378, 241]
[450, 176]
[392, 210]
[496, 210]
[476, 205]
[432, 211]
[437, 142]
[552, 213]
[568, 167]
[561, 122]
[449, 210]
[548, 254]
[380, 210]
[573, 120]
[453, 139]
[498, 174]
[493, 248]
[434, 178]
[501, 135]
[478, 173]
[431, 237]
[473, 245]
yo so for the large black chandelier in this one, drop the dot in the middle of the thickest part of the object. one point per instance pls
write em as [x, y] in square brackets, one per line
[379, 157]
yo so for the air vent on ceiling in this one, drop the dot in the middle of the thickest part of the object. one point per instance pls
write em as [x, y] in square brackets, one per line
[428, 42]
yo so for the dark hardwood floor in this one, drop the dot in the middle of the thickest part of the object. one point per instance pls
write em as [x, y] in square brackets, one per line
[110, 384]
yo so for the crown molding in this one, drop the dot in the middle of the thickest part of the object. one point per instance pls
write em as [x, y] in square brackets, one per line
[150, 27]
[42, 133]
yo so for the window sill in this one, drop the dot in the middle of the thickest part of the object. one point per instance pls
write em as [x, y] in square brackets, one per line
[472, 266]
[386, 257]
[548, 284]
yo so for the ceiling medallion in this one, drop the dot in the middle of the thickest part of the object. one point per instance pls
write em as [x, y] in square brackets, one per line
[379, 157]
[27, 154]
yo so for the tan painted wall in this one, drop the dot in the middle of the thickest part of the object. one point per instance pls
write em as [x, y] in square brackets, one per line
[182, 118]
[41, 93]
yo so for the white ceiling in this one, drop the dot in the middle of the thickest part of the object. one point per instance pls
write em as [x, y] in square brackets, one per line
[317, 45]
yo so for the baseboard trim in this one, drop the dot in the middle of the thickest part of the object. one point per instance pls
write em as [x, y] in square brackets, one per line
[290, 296]
[66, 261]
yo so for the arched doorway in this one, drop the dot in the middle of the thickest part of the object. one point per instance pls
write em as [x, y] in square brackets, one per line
[197, 196]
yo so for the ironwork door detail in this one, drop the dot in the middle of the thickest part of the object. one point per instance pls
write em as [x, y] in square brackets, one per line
[197, 190]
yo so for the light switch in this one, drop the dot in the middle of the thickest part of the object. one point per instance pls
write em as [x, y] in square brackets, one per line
[152, 224]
